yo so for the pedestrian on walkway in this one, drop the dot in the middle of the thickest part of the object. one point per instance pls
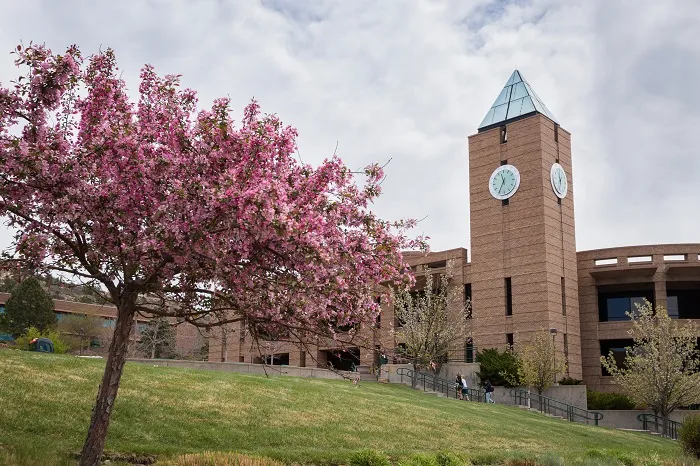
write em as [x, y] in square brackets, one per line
[458, 387]
[465, 390]
[488, 388]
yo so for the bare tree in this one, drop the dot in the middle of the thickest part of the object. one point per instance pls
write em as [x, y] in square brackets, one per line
[157, 340]
[660, 370]
[82, 329]
[537, 365]
[427, 329]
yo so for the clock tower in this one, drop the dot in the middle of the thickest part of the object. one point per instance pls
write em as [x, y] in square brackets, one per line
[523, 248]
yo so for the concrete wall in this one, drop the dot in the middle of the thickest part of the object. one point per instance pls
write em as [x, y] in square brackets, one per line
[627, 419]
[570, 394]
[467, 370]
[246, 368]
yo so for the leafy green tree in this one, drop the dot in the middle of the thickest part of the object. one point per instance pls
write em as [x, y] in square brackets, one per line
[662, 369]
[538, 367]
[501, 369]
[28, 306]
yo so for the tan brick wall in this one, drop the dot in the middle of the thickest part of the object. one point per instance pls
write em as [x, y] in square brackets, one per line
[656, 273]
[531, 239]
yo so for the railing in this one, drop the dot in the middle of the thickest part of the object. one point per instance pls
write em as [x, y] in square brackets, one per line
[654, 423]
[555, 407]
[438, 385]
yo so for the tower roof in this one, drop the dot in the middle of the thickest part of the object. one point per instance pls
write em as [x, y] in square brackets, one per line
[516, 100]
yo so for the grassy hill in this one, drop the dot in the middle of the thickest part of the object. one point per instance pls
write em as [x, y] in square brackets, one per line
[45, 403]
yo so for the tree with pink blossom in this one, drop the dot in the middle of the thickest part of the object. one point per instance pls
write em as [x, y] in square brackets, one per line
[176, 212]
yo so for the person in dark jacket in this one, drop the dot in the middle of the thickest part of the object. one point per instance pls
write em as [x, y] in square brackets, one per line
[488, 388]
[458, 386]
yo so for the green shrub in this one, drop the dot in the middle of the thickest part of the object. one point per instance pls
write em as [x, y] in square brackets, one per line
[602, 400]
[487, 458]
[448, 459]
[369, 458]
[59, 345]
[498, 367]
[570, 381]
[689, 435]
[421, 460]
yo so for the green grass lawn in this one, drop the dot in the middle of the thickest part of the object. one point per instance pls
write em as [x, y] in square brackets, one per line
[45, 403]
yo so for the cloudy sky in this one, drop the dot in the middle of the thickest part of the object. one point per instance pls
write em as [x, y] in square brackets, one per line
[408, 81]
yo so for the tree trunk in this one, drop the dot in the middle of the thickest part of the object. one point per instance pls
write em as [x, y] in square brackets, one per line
[414, 381]
[107, 392]
[664, 421]
[153, 351]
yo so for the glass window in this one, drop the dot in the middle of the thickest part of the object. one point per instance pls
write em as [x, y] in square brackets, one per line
[617, 347]
[618, 308]
[614, 306]
[509, 297]
[672, 305]
[2, 308]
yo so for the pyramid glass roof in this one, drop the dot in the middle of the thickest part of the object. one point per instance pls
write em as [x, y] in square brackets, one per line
[516, 100]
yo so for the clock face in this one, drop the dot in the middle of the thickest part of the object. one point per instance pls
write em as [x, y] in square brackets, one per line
[557, 176]
[504, 181]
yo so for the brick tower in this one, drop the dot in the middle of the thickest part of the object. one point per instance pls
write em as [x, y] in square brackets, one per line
[524, 269]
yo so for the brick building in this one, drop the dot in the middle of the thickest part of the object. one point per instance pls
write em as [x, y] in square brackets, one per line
[525, 274]
[188, 339]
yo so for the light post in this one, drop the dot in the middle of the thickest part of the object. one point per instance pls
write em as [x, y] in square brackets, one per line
[553, 331]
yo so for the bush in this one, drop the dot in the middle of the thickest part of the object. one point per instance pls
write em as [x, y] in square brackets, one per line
[570, 381]
[602, 400]
[59, 345]
[369, 458]
[689, 435]
[448, 459]
[497, 367]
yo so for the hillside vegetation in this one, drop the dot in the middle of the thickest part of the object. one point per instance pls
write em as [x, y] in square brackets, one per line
[45, 403]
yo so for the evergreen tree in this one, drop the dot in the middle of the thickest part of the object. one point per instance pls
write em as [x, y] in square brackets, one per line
[28, 306]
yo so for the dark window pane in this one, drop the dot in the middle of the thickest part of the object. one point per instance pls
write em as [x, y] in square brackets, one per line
[672, 304]
[618, 308]
[617, 347]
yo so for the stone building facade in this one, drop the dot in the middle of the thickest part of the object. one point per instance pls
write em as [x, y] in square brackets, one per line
[525, 274]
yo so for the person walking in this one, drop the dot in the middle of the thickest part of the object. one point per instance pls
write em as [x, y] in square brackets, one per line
[465, 390]
[458, 387]
[488, 388]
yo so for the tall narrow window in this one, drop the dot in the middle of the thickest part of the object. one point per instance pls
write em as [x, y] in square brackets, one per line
[509, 340]
[563, 297]
[509, 297]
[566, 352]
[556, 132]
[504, 135]
[469, 350]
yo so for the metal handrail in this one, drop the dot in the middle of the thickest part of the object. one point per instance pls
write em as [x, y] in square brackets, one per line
[439, 385]
[648, 419]
[556, 407]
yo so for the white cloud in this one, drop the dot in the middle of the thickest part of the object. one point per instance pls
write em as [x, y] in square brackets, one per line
[409, 81]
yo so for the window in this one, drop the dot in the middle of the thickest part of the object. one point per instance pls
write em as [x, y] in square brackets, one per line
[504, 162]
[504, 134]
[556, 133]
[467, 292]
[241, 359]
[683, 300]
[378, 322]
[436, 265]
[563, 297]
[469, 350]
[509, 340]
[2, 308]
[672, 306]
[566, 352]
[108, 323]
[302, 359]
[509, 297]
[505, 201]
[618, 350]
[614, 306]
